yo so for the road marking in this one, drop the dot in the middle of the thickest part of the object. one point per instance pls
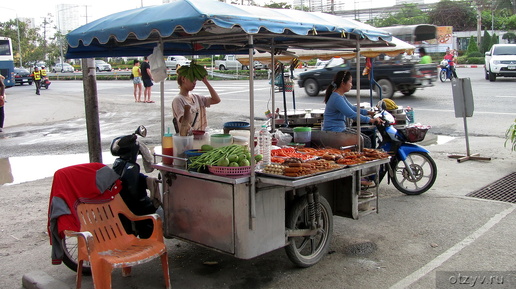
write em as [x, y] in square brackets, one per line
[506, 96]
[439, 260]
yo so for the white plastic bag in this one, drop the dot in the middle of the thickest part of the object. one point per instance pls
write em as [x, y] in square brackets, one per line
[283, 138]
[157, 64]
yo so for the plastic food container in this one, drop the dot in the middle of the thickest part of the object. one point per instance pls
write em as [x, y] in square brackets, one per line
[302, 134]
[220, 140]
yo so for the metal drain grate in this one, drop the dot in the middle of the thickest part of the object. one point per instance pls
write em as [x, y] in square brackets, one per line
[502, 190]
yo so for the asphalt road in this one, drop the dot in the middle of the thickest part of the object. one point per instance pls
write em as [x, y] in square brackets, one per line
[408, 244]
[59, 112]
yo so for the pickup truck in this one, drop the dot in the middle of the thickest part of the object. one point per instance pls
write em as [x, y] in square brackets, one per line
[230, 62]
[500, 60]
[174, 62]
[391, 77]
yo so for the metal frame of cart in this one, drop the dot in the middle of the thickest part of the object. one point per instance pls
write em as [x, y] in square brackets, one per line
[241, 212]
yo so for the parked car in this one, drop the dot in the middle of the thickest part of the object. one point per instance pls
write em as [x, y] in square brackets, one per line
[22, 75]
[101, 65]
[500, 61]
[175, 61]
[65, 67]
[258, 65]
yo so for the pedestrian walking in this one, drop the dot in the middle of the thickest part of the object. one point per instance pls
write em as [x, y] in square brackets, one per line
[36, 76]
[137, 81]
[2, 102]
[147, 80]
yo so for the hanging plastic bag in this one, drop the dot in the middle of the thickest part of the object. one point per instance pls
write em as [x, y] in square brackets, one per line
[157, 64]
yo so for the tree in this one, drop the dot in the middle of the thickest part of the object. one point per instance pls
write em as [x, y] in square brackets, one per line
[511, 37]
[472, 46]
[409, 14]
[486, 41]
[30, 39]
[280, 5]
[459, 14]
[495, 39]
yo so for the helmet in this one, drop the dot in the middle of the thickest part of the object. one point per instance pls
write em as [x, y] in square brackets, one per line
[126, 147]
[42, 66]
[387, 104]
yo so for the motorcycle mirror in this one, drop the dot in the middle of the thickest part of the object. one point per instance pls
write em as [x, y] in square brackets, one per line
[141, 131]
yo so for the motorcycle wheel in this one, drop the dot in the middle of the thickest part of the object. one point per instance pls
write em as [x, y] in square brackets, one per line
[442, 75]
[70, 248]
[305, 251]
[425, 174]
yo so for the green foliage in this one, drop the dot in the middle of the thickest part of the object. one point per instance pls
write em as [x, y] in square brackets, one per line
[510, 36]
[409, 14]
[495, 39]
[475, 54]
[280, 5]
[486, 41]
[472, 46]
[459, 14]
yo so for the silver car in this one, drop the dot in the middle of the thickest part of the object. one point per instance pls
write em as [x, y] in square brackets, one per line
[65, 67]
[101, 65]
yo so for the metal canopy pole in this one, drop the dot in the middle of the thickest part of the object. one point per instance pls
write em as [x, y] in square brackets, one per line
[92, 110]
[359, 136]
[252, 187]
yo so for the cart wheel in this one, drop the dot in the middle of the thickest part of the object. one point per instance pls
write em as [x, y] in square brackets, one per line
[308, 250]
[70, 248]
[425, 173]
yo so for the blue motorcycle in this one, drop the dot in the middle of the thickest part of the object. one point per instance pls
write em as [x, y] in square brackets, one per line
[446, 71]
[412, 170]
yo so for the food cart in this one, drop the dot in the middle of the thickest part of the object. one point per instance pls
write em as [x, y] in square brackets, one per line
[249, 215]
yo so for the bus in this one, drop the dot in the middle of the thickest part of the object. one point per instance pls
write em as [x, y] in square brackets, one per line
[7, 61]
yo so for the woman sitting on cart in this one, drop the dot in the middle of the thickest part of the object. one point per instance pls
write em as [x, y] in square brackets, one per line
[338, 108]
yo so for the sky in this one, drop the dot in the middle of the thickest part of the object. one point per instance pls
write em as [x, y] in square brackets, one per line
[38, 9]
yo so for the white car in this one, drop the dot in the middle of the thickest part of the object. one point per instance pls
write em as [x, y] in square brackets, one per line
[500, 61]
[176, 61]
[64, 68]
[101, 65]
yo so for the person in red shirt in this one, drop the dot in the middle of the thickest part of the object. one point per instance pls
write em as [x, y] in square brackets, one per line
[450, 56]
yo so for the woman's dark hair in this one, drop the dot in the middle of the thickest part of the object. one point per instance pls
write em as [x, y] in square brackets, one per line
[341, 77]
[136, 61]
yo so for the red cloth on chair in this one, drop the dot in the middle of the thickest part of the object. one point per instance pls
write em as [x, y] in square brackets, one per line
[85, 183]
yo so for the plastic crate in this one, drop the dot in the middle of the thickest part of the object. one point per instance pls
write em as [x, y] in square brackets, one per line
[229, 171]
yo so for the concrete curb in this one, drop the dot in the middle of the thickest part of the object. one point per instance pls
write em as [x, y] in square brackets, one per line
[41, 280]
[469, 66]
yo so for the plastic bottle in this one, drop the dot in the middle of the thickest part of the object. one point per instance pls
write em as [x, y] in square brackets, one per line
[167, 148]
[264, 144]
[410, 114]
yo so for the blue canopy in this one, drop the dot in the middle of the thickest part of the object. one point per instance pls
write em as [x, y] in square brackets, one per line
[206, 27]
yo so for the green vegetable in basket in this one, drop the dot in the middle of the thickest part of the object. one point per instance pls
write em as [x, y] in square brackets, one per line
[233, 164]
[258, 158]
[233, 158]
[223, 162]
[244, 163]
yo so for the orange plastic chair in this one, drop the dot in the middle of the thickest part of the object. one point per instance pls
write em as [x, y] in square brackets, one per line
[104, 242]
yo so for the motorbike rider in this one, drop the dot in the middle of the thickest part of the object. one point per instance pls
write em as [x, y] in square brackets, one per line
[450, 57]
[36, 76]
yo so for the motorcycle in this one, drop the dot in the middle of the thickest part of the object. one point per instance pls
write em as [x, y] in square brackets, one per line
[45, 82]
[446, 71]
[412, 170]
[133, 192]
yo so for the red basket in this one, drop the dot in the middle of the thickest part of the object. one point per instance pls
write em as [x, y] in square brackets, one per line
[414, 133]
[229, 171]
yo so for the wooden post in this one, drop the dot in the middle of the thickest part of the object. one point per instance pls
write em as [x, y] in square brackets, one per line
[91, 109]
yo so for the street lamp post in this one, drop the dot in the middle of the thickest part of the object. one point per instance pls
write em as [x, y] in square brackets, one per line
[18, 30]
